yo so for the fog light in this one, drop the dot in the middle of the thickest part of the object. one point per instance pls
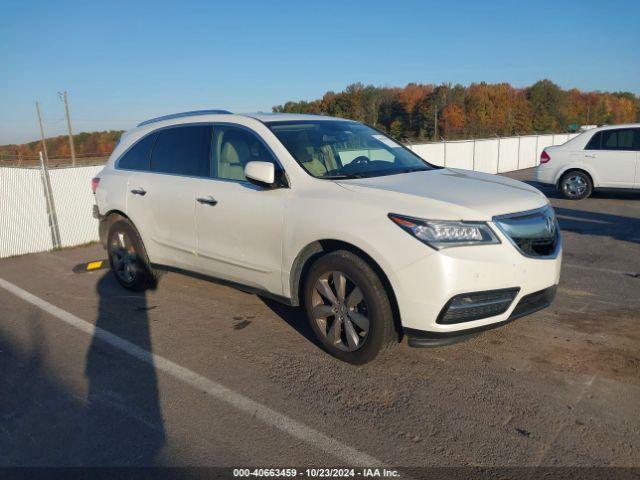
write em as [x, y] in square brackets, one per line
[477, 305]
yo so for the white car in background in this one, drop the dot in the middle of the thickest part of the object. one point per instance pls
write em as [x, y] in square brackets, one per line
[605, 157]
[329, 214]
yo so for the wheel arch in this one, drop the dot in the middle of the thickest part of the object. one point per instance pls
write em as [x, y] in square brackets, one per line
[319, 248]
[576, 168]
[105, 223]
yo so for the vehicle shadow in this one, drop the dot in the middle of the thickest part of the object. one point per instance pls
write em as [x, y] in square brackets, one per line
[45, 418]
[295, 317]
[552, 192]
[586, 222]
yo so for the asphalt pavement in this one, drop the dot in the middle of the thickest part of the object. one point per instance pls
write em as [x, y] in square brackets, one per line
[200, 374]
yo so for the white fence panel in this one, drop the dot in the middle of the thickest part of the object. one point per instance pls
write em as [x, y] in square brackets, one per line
[527, 152]
[492, 155]
[24, 222]
[486, 157]
[74, 200]
[459, 155]
[508, 154]
[433, 152]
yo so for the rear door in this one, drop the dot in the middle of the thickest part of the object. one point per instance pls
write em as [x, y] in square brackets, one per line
[240, 225]
[611, 154]
[162, 199]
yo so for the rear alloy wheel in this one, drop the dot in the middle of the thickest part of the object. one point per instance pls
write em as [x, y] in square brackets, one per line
[348, 307]
[128, 258]
[576, 185]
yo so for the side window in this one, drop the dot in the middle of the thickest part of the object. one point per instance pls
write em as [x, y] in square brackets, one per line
[621, 139]
[183, 151]
[137, 158]
[233, 148]
[594, 143]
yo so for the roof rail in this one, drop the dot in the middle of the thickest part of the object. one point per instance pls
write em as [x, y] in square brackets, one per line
[183, 114]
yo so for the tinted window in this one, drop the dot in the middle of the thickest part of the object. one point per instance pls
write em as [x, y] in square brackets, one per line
[617, 139]
[594, 143]
[182, 151]
[233, 148]
[137, 158]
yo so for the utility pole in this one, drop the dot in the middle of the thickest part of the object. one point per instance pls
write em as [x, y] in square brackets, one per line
[63, 97]
[435, 124]
[44, 144]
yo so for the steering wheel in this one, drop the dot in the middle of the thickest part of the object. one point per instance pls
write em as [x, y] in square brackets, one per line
[361, 159]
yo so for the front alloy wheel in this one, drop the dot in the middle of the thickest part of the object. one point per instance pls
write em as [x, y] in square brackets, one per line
[340, 311]
[348, 307]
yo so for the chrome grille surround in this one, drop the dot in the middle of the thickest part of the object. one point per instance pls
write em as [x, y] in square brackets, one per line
[535, 233]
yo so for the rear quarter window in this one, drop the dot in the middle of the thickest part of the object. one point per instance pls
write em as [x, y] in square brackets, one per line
[138, 157]
[183, 150]
[594, 143]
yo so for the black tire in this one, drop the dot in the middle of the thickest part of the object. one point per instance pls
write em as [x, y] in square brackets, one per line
[374, 306]
[134, 273]
[575, 185]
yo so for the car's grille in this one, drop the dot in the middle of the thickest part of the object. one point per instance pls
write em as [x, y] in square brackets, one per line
[535, 233]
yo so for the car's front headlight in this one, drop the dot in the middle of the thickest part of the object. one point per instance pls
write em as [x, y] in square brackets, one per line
[440, 234]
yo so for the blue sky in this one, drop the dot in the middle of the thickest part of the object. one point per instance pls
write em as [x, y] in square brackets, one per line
[123, 62]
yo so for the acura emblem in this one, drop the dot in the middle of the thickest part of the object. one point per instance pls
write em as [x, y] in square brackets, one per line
[549, 225]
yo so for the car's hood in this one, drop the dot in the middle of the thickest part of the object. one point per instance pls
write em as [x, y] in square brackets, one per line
[449, 194]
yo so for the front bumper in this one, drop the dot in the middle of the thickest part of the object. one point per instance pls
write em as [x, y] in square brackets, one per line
[424, 287]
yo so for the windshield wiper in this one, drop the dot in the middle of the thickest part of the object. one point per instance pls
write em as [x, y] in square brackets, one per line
[341, 177]
[375, 173]
[414, 169]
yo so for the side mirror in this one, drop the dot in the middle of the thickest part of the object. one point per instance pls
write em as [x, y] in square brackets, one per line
[262, 174]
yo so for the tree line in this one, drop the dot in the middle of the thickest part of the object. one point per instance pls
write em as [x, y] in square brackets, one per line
[86, 143]
[420, 112]
[428, 112]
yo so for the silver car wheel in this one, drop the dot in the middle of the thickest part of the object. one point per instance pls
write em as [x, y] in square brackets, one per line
[124, 258]
[340, 312]
[575, 186]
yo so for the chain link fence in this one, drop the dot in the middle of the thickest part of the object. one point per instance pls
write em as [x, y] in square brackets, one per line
[44, 208]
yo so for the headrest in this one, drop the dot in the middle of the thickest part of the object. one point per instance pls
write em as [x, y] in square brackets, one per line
[235, 151]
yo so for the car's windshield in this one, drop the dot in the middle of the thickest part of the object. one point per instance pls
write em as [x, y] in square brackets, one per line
[344, 149]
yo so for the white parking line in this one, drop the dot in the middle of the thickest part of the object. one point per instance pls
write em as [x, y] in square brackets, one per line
[267, 415]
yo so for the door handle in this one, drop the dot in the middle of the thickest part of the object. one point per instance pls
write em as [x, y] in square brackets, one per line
[207, 200]
[590, 155]
[139, 191]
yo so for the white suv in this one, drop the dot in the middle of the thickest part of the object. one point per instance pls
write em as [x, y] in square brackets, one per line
[605, 157]
[327, 213]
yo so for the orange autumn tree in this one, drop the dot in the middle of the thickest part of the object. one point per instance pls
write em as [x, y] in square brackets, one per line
[426, 112]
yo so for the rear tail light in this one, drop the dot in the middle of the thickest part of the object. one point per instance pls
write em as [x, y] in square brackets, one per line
[544, 157]
[94, 184]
